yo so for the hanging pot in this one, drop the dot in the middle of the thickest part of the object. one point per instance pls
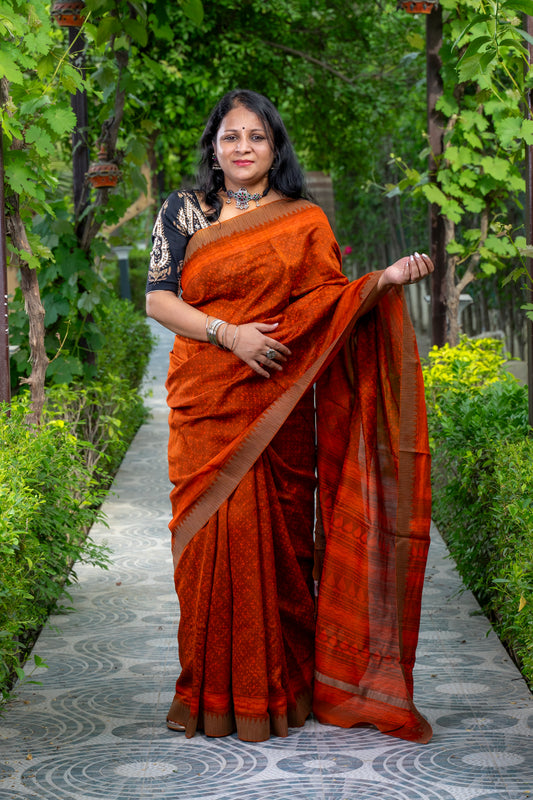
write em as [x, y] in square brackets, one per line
[67, 14]
[418, 6]
[103, 174]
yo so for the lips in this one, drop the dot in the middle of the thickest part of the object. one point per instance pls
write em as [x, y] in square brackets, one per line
[243, 163]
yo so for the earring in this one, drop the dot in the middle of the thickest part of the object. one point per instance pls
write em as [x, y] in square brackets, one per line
[214, 159]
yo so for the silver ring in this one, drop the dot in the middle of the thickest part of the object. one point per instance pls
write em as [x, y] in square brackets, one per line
[271, 353]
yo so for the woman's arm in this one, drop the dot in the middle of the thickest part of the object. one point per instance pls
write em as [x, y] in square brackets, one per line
[249, 342]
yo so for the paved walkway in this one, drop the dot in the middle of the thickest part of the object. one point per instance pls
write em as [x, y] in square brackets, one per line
[94, 729]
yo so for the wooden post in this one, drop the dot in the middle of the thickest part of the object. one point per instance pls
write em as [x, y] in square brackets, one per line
[435, 135]
[5, 383]
[529, 230]
[80, 145]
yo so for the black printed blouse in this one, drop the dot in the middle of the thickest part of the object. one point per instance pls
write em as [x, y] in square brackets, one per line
[179, 217]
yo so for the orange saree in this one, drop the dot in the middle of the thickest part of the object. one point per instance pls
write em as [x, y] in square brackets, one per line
[242, 458]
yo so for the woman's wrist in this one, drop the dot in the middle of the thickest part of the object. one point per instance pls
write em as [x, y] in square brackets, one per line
[221, 333]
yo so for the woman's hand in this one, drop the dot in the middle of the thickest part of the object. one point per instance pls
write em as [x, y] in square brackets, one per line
[409, 269]
[252, 343]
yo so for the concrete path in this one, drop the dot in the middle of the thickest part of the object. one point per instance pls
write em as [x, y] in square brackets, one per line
[94, 729]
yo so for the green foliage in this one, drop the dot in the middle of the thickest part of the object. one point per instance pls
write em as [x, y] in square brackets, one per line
[106, 411]
[49, 499]
[482, 483]
[53, 478]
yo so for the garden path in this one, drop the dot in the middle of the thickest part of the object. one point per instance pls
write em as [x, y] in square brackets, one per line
[94, 728]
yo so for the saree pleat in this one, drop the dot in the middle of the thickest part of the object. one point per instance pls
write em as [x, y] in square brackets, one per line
[242, 460]
[246, 635]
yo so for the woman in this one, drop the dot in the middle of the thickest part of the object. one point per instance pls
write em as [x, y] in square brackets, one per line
[262, 314]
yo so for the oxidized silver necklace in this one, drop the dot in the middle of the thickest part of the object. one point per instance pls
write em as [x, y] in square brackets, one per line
[242, 197]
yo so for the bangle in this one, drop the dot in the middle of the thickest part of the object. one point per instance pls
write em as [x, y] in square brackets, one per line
[211, 331]
[232, 348]
[222, 338]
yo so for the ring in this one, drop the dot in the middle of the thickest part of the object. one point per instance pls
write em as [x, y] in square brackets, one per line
[271, 353]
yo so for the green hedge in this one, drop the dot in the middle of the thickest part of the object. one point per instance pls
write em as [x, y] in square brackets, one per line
[483, 483]
[49, 499]
[53, 479]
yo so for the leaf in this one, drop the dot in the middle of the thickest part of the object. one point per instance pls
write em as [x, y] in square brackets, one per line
[40, 139]
[416, 40]
[525, 35]
[524, 6]
[526, 131]
[60, 118]
[434, 194]
[194, 10]
[474, 21]
[522, 603]
[137, 31]
[106, 29]
[497, 168]
[19, 173]
[508, 130]
[9, 69]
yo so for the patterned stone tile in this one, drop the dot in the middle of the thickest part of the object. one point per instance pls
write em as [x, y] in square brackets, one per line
[94, 728]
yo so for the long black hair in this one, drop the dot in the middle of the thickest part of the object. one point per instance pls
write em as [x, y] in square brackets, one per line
[285, 175]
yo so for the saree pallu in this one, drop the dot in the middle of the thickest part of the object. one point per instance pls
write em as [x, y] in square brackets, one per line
[242, 461]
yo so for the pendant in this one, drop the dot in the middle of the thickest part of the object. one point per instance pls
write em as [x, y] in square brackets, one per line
[242, 198]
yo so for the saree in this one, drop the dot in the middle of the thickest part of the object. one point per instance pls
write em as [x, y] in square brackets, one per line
[257, 655]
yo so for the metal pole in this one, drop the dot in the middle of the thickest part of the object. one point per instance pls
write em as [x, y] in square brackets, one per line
[5, 383]
[435, 135]
[529, 231]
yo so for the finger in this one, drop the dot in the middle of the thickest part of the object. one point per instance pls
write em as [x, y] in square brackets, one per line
[269, 361]
[281, 349]
[415, 271]
[257, 367]
[428, 262]
[266, 327]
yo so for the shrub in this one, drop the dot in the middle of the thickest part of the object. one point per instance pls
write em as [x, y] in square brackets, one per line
[482, 483]
[49, 499]
[53, 479]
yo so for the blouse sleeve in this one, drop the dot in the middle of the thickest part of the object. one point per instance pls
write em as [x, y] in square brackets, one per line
[179, 217]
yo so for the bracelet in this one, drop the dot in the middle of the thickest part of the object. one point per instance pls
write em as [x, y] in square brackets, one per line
[222, 337]
[211, 331]
[232, 348]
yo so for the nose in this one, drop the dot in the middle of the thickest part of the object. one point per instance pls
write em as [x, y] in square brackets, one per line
[243, 145]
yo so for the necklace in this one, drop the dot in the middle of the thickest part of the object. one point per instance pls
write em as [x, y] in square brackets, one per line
[242, 197]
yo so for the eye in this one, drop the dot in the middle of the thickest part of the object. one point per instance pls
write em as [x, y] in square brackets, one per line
[257, 137]
[229, 137]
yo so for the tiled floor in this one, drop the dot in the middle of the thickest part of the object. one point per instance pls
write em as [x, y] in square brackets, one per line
[94, 729]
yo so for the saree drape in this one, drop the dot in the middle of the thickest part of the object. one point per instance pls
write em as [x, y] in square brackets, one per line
[242, 458]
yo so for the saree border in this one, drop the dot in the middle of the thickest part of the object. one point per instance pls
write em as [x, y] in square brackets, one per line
[254, 219]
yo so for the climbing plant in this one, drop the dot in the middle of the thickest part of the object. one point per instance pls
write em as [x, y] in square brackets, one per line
[479, 180]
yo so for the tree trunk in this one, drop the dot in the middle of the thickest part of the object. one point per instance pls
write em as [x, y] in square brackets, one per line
[30, 289]
[35, 311]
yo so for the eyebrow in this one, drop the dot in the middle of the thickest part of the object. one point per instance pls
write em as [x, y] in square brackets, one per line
[236, 130]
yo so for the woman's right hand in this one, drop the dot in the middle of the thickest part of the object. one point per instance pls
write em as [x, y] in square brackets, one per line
[252, 343]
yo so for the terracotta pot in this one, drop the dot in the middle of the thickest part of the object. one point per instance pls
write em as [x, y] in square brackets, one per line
[103, 174]
[418, 6]
[67, 14]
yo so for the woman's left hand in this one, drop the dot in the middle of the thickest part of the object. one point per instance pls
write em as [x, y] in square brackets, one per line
[409, 269]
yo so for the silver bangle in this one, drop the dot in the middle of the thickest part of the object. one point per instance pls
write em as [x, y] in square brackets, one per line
[211, 331]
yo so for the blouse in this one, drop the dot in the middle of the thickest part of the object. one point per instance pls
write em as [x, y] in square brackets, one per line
[179, 217]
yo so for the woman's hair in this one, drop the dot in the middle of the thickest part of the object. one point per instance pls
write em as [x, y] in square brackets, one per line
[285, 175]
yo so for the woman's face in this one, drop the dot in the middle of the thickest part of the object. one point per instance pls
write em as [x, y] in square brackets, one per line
[243, 150]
